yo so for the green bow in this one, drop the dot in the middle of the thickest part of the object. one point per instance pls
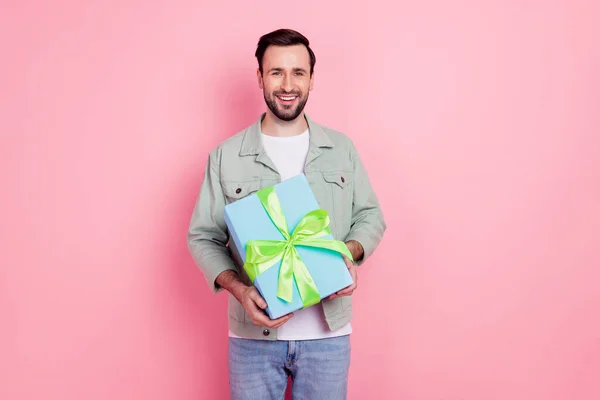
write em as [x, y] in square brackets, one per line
[264, 254]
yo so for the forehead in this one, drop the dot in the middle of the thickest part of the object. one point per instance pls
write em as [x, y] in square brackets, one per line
[295, 56]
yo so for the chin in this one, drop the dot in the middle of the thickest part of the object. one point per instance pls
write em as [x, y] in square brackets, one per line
[289, 117]
[286, 115]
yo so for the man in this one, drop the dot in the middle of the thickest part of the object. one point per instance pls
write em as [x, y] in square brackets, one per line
[312, 345]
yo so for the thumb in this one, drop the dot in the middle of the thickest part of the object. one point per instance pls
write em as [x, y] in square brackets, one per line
[259, 300]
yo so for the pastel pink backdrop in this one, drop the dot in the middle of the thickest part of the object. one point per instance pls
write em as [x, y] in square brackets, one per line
[478, 122]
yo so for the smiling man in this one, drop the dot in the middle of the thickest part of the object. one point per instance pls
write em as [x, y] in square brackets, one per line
[311, 345]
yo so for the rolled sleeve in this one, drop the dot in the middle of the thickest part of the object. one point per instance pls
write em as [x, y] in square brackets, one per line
[207, 235]
[368, 224]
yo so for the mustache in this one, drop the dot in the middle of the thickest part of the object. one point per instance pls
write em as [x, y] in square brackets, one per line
[283, 93]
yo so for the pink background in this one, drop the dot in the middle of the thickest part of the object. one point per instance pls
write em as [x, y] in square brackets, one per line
[478, 122]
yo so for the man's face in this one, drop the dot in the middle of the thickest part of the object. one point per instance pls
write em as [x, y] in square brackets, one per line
[286, 80]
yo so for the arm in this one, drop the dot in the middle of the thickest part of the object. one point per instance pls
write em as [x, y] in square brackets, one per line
[368, 224]
[207, 242]
[207, 235]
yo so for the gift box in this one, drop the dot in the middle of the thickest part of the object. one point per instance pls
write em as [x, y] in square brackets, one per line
[283, 238]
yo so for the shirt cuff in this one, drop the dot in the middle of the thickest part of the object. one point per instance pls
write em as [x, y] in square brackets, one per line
[367, 242]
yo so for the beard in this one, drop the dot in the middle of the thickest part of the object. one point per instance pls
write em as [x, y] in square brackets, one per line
[284, 112]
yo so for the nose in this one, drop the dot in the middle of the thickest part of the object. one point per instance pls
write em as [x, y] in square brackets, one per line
[286, 83]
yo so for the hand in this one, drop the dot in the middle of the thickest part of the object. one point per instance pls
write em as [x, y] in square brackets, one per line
[353, 273]
[254, 305]
[250, 299]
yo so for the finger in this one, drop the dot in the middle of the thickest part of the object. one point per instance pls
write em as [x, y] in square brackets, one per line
[280, 323]
[341, 293]
[255, 312]
[264, 320]
[281, 320]
[257, 298]
[347, 290]
[260, 318]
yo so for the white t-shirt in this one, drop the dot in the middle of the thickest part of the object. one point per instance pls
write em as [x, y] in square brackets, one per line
[289, 156]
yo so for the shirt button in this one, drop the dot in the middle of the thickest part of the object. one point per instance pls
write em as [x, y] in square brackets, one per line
[343, 180]
[266, 332]
[238, 190]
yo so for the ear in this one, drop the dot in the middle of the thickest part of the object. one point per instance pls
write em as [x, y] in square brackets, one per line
[260, 79]
[312, 82]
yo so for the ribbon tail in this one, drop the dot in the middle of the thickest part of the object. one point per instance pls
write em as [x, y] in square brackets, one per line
[286, 276]
[306, 285]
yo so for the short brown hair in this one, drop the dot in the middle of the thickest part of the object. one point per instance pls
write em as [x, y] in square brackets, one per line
[283, 37]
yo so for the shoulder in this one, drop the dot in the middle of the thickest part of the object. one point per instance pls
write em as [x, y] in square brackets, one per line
[228, 147]
[340, 140]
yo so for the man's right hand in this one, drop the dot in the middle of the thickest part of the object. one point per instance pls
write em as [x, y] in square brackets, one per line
[250, 299]
[254, 305]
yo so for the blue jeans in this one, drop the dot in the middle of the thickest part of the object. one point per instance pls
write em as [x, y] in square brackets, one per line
[259, 369]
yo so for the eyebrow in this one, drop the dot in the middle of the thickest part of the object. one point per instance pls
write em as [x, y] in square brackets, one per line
[281, 69]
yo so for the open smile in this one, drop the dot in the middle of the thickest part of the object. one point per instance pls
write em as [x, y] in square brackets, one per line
[287, 99]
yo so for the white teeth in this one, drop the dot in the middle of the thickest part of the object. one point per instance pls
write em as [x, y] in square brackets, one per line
[287, 98]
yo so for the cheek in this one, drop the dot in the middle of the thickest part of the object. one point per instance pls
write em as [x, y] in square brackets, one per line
[306, 86]
[268, 87]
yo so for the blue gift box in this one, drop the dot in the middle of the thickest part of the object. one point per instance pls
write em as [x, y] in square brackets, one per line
[247, 220]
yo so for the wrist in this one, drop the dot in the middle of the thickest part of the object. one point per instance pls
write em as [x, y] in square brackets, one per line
[355, 249]
[230, 281]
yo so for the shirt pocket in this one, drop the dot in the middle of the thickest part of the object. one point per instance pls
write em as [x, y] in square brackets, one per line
[340, 185]
[236, 190]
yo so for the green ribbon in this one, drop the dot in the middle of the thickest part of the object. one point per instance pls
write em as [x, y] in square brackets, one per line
[264, 254]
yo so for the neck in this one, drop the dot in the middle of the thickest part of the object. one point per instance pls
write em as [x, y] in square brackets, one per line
[273, 126]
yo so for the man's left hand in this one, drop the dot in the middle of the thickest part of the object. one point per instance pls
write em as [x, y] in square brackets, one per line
[353, 273]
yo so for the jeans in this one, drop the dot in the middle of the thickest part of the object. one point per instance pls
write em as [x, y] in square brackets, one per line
[259, 369]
